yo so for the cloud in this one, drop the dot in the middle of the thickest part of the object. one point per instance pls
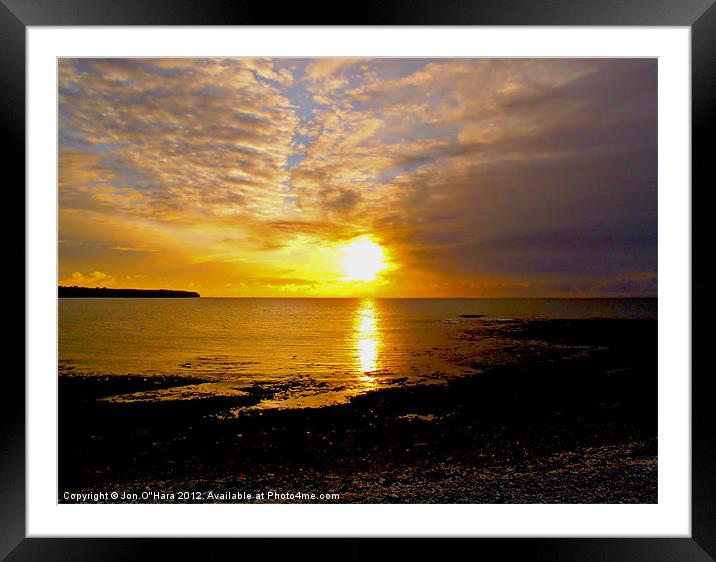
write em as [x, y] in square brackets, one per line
[167, 140]
[131, 249]
[342, 200]
[506, 175]
[94, 279]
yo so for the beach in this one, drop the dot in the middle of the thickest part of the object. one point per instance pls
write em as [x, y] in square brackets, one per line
[358, 280]
[572, 421]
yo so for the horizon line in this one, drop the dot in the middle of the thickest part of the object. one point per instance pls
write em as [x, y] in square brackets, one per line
[434, 298]
[591, 297]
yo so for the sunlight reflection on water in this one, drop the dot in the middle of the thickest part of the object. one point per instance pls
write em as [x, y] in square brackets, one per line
[367, 342]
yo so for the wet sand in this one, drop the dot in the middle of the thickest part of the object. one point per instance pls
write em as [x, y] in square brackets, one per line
[580, 429]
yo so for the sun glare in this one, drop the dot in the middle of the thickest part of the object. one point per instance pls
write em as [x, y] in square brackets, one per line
[363, 260]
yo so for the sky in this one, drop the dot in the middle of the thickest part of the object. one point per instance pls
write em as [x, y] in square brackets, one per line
[260, 177]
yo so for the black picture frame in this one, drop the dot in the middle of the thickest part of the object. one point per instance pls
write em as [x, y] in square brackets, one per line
[699, 15]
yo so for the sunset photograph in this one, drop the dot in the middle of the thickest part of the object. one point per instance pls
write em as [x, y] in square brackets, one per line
[354, 280]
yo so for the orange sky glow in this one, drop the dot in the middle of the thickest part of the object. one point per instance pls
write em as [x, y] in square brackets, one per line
[358, 177]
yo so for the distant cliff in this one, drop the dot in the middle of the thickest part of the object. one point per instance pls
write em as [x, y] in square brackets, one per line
[103, 292]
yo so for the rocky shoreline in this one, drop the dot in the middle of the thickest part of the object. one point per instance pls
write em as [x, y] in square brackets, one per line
[576, 430]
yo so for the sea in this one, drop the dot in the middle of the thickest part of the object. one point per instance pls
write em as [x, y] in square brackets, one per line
[309, 352]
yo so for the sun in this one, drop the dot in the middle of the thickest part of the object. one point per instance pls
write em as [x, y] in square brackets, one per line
[363, 260]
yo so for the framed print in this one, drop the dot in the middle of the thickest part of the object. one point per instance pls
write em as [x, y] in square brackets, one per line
[425, 273]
